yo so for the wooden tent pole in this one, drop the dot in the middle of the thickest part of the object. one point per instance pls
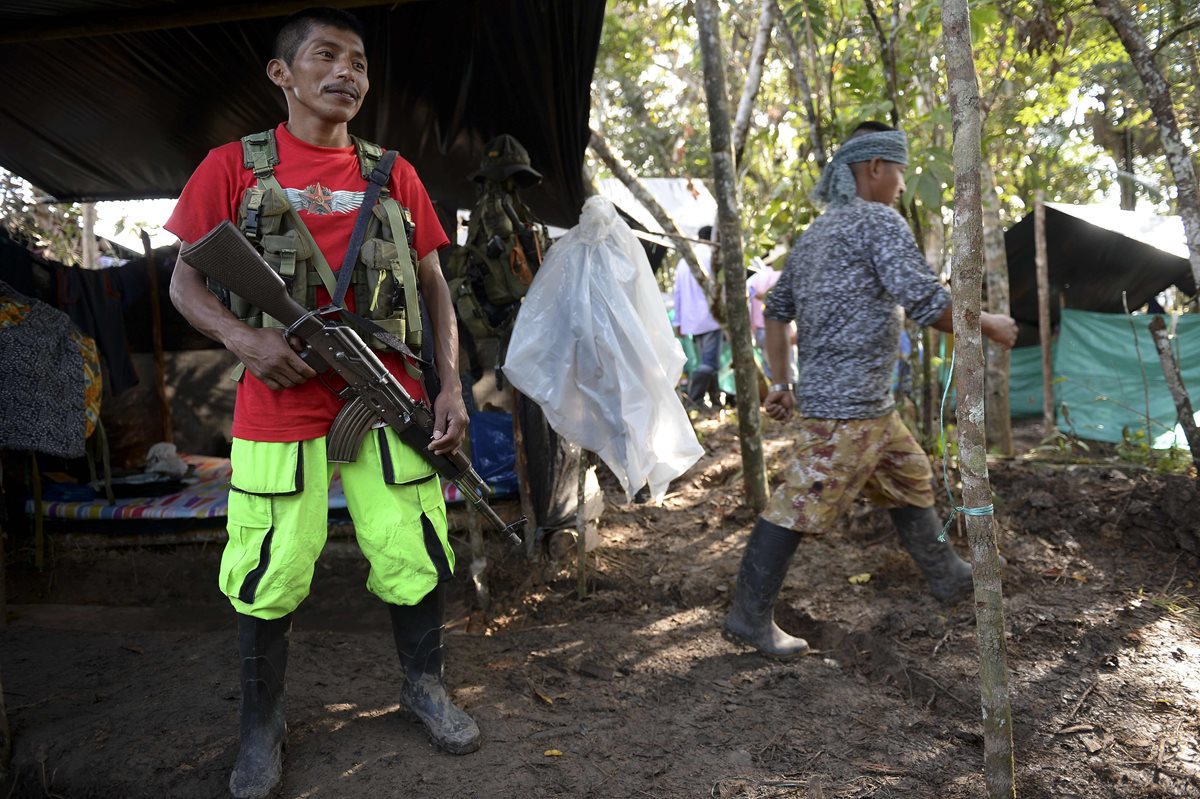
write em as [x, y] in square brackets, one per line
[1049, 426]
[1183, 404]
[160, 381]
[521, 465]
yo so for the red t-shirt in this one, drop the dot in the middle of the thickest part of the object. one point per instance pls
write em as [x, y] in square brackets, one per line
[325, 185]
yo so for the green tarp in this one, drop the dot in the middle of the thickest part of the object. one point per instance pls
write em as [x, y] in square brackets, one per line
[1102, 381]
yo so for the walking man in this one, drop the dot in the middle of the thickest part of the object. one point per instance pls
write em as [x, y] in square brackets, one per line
[845, 281]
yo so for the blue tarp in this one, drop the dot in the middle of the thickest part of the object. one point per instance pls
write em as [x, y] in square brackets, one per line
[1102, 380]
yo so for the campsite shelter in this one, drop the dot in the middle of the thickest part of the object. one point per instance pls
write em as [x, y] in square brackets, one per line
[120, 99]
[1101, 260]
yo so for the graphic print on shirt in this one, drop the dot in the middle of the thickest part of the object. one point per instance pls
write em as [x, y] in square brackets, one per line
[319, 200]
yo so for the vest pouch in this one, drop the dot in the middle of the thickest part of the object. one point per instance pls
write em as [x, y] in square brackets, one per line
[384, 291]
[261, 212]
[380, 227]
[289, 255]
[470, 313]
[501, 281]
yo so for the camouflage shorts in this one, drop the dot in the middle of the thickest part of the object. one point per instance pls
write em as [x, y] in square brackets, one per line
[837, 459]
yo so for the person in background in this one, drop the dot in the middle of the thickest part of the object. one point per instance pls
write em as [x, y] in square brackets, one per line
[694, 318]
[758, 286]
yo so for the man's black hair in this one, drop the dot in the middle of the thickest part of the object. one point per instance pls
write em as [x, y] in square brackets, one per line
[870, 126]
[298, 26]
[705, 233]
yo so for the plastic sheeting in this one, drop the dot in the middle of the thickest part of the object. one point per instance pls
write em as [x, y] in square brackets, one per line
[492, 451]
[1099, 377]
[593, 347]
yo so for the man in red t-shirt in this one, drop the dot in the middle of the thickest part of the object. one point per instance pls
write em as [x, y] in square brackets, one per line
[279, 488]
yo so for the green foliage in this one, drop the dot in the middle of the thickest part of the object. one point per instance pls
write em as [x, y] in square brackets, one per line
[53, 229]
[1055, 84]
[1135, 447]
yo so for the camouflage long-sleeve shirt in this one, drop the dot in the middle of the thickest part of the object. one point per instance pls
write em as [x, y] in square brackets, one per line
[846, 279]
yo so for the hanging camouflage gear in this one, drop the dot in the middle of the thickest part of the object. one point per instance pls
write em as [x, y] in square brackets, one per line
[505, 158]
[385, 277]
[490, 274]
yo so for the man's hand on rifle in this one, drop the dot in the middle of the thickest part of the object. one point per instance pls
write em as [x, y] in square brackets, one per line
[449, 422]
[269, 357]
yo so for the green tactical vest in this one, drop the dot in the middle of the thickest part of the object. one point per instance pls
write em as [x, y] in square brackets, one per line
[484, 288]
[385, 277]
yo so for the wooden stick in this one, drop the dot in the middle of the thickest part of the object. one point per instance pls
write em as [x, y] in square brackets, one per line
[521, 465]
[160, 380]
[1049, 425]
[581, 526]
[1183, 404]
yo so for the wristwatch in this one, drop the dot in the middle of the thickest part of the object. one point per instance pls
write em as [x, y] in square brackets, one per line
[788, 387]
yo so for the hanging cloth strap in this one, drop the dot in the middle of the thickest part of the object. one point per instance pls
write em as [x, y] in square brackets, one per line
[377, 181]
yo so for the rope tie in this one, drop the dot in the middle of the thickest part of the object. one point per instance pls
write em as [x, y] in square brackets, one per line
[985, 510]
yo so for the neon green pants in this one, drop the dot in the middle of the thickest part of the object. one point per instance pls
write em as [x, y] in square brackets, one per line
[278, 519]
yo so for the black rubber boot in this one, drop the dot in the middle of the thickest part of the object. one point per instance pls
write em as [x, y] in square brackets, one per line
[949, 575]
[263, 645]
[751, 619]
[418, 631]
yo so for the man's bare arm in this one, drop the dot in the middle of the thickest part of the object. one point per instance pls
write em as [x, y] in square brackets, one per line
[264, 351]
[449, 412]
[999, 328]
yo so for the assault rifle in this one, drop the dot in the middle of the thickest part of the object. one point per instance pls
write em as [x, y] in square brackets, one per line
[525, 235]
[374, 395]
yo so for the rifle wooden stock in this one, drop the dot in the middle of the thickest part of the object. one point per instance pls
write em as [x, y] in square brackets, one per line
[373, 393]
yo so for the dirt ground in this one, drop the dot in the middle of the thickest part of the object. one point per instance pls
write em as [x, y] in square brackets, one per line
[118, 664]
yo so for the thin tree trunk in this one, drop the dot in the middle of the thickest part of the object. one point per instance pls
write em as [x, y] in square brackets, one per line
[977, 493]
[1158, 93]
[800, 78]
[999, 359]
[160, 371]
[888, 57]
[1042, 267]
[88, 250]
[754, 71]
[1183, 404]
[600, 147]
[729, 224]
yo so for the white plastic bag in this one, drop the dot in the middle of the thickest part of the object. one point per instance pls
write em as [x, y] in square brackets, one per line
[593, 347]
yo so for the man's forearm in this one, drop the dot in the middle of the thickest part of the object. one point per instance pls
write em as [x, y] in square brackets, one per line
[441, 318]
[778, 349]
[201, 308]
[945, 322]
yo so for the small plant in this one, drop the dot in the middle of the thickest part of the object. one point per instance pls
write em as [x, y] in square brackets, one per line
[1063, 444]
[1135, 447]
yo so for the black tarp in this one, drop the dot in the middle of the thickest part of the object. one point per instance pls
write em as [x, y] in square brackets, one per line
[129, 115]
[1089, 265]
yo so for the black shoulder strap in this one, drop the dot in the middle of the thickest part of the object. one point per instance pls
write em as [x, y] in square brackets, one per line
[377, 180]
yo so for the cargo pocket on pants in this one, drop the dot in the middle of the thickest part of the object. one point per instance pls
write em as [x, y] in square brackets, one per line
[262, 471]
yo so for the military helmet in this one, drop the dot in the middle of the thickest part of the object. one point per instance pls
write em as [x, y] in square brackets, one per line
[505, 158]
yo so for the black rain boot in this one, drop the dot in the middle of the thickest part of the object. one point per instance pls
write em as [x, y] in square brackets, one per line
[263, 645]
[418, 632]
[751, 619]
[949, 575]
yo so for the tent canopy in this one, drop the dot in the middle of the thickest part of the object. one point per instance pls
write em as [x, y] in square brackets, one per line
[121, 99]
[1093, 255]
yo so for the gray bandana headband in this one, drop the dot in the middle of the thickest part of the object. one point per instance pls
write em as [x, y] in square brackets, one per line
[837, 185]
